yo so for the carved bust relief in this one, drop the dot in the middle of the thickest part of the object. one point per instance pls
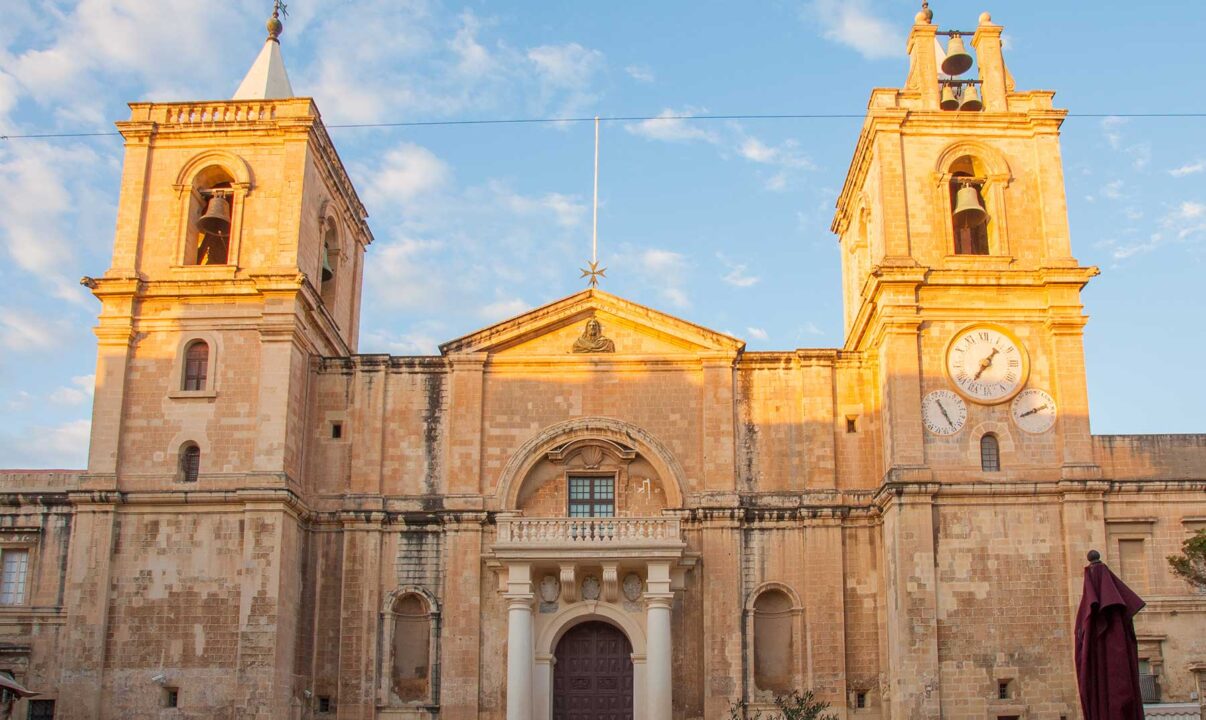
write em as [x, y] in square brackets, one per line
[592, 341]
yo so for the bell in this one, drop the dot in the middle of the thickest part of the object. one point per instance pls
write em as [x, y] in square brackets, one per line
[949, 101]
[968, 209]
[327, 271]
[216, 219]
[957, 61]
[971, 99]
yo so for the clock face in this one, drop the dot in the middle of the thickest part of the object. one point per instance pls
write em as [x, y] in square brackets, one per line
[1033, 411]
[943, 412]
[986, 364]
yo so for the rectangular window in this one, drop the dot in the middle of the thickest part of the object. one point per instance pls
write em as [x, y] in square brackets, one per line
[1132, 562]
[592, 496]
[41, 710]
[14, 566]
[171, 697]
[324, 704]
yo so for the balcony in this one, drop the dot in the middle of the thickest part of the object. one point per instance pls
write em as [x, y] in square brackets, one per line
[584, 538]
[1150, 688]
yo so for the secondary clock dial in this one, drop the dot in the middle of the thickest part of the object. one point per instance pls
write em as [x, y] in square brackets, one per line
[987, 364]
[943, 412]
[1033, 411]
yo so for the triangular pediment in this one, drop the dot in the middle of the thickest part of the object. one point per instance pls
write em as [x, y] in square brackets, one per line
[626, 329]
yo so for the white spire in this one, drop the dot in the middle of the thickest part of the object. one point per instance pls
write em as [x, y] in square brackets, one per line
[267, 78]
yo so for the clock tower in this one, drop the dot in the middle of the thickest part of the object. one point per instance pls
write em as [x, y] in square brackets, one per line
[961, 292]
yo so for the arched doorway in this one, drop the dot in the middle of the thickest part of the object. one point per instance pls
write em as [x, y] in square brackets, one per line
[592, 679]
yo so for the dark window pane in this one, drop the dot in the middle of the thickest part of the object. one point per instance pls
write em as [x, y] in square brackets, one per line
[41, 710]
[196, 366]
[190, 463]
[990, 454]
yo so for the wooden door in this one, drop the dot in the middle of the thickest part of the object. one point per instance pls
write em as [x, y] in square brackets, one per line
[592, 679]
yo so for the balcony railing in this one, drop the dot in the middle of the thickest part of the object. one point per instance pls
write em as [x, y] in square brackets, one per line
[590, 532]
[1150, 688]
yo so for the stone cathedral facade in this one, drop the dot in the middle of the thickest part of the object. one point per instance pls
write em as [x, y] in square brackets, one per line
[592, 510]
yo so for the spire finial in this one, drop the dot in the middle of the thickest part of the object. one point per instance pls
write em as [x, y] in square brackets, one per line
[275, 26]
[925, 10]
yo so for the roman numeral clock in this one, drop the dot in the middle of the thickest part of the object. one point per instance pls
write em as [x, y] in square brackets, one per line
[987, 365]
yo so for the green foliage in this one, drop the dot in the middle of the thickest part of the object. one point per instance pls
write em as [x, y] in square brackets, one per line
[1190, 565]
[795, 705]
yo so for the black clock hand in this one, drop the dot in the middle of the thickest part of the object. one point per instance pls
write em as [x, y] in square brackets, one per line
[942, 408]
[985, 363]
[1040, 408]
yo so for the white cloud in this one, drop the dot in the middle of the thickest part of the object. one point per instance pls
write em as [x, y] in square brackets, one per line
[566, 74]
[851, 23]
[79, 392]
[787, 154]
[1188, 169]
[419, 340]
[404, 273]
[503, 309]
[1111, 129]
[810, 328]
[21, 330]
[43, 186]
[566, 210]
[756, 333]
[738, 274]
[664, 269]
[56, 446]
[1113, 190]
[473, 59]
[640, 73]
[406, 172]
[670, 126]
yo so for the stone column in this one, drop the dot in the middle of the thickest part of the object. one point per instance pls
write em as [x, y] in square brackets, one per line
[640, 705]
[658, 648]
[521, 651]
[542, 687]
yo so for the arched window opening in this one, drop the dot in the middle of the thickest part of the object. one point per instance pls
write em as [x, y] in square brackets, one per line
[969, 214]
[210, 218]
[330, 262]
[190, 462]
[411, 644]
[774, 652]
[196, 366]
[990, 453]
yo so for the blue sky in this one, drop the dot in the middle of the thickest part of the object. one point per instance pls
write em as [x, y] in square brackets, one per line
[724, 223]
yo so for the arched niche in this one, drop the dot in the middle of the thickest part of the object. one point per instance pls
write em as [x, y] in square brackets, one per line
[410, 633]
[774, 618]
[984, 163]
[648, 478]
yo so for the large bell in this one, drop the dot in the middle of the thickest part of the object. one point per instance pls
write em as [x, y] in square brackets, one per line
[971, 99]
[969, 210]
[949, 101]
[216, 219]
[327, 271]
[957, 61]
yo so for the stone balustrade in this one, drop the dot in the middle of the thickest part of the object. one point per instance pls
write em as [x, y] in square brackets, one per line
[608, 531]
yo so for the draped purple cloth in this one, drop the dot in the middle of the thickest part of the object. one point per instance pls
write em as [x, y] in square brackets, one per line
[1107, 654]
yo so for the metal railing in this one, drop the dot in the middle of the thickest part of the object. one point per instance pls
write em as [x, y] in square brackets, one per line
[1150, 687]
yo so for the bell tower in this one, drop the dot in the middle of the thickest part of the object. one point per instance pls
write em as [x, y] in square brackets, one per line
[961, 290]
[238, 257]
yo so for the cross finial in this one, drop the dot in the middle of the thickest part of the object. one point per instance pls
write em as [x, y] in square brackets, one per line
[594, 272]
[275, 26]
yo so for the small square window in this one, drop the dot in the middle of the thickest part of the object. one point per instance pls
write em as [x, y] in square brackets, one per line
[324, 704]
[860, 700]
[1004, 691]
[851, 424]
[41, 710]
[336, 430]
[171, 697]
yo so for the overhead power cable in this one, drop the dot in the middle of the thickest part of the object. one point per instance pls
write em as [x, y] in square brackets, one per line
[615, 118]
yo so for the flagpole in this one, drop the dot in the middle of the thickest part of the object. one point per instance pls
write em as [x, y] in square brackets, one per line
[594, 235]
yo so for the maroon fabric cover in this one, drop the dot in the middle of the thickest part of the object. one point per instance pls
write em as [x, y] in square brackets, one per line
[1107, 654]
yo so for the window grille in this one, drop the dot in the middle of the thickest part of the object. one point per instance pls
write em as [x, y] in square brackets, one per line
[990, 453]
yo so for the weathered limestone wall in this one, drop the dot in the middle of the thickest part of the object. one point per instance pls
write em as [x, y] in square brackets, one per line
[1151, 457]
